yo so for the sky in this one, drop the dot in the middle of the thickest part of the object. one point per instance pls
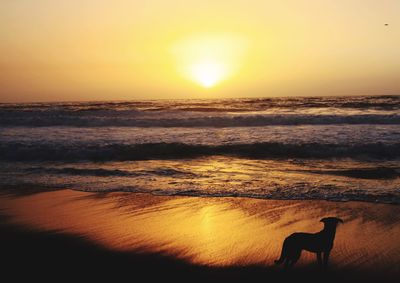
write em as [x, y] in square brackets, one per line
[84, 50]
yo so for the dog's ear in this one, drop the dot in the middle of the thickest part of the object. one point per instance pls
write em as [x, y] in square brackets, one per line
[340, 220]
[323, 220]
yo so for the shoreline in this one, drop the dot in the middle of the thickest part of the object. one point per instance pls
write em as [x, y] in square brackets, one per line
[209, 233]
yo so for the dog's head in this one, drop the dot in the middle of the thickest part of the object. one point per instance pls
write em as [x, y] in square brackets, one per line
[331, 221]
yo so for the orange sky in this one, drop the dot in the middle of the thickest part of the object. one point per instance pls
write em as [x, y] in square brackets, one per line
[105, 50]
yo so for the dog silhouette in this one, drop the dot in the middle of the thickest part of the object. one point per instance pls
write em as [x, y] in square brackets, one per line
[320, 243]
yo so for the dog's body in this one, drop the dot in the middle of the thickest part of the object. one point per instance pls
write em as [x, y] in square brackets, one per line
[320, 243]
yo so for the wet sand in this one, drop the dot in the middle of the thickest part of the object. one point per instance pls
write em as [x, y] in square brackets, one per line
[235, 236]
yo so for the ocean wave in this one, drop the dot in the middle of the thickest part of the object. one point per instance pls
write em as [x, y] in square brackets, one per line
[124, 152]
[175, 120]
[287, 194]
[384, 102]
[100, 172]
[328, 193]
[383, 173]
[374, 173]
[82, 171]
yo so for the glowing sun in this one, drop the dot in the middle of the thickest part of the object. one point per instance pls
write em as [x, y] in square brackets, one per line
[208, 59]
[208, 73]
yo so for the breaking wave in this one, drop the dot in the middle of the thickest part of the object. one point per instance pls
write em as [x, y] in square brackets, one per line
[147, 151]
[190, 121]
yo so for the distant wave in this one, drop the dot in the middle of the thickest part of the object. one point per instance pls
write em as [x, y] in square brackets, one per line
[383, 102]
[124, 152]
[163, 119]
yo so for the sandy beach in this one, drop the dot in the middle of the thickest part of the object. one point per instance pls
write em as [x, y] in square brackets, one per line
[205, 233]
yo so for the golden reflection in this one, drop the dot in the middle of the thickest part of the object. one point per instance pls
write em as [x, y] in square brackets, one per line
[212, 231]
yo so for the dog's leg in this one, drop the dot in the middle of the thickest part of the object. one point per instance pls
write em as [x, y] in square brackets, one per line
[326, 258]
[286, 265]
[319, 259]
[289, 264]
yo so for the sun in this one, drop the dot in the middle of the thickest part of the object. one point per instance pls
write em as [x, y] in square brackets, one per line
[209, 58]
[208, 72]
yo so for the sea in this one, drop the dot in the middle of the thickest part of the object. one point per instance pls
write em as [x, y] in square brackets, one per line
[324, 148]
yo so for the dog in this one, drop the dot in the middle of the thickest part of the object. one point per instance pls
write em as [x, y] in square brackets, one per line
[320, 243]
